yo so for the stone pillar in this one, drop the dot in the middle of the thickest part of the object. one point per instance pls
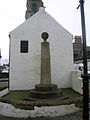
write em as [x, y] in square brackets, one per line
[45, 60]
[45, 90]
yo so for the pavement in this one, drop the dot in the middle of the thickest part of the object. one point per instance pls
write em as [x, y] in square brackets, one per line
[73, 116]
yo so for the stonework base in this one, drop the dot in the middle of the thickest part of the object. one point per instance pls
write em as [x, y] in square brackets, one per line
[45, 91]
[45, 87]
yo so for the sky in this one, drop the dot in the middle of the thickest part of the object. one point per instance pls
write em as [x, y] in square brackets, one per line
[65, 12]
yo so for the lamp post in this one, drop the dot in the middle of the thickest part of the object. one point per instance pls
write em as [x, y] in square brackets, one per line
[85, 75]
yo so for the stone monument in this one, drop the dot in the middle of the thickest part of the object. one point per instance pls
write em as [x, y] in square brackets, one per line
[45, 90]
[45, 61]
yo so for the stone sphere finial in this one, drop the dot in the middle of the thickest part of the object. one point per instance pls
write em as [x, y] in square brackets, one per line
[45, 36]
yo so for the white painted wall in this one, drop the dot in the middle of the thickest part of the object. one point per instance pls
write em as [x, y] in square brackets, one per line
[89, 65]
[77, 82]
[25, 68]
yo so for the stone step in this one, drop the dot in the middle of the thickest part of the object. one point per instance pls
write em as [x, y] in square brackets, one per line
[45, 95]
[45, 87]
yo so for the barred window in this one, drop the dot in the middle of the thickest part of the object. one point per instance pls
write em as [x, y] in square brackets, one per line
[23, 46]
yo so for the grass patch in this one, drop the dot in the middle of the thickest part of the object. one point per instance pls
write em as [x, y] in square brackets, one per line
[17, 95]
[71, 93]
[18, 99]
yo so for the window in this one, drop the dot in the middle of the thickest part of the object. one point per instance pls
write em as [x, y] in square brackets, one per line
[34, 7]
[24, 46]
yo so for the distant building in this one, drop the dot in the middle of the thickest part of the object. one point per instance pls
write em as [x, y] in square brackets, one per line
[0, 54]
[78, 49]
[88, 52]
[33, 7]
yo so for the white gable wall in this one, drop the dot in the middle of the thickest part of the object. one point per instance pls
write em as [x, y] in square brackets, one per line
[25, 67]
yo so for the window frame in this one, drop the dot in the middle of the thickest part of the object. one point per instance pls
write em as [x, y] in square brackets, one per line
[24, 46]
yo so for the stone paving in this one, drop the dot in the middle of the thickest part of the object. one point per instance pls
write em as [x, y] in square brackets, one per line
[72, 116]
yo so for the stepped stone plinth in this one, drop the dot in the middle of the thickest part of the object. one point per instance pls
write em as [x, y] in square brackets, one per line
[45, 87]
[45, 90]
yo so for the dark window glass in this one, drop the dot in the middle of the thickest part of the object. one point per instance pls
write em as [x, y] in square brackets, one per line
[24, 47]
[34, 7]
[88, 52]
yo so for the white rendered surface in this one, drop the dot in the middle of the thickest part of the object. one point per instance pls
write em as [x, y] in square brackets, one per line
[25, 67]
[11, 111]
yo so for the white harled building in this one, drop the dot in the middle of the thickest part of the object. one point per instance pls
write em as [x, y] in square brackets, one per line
[25, 51]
